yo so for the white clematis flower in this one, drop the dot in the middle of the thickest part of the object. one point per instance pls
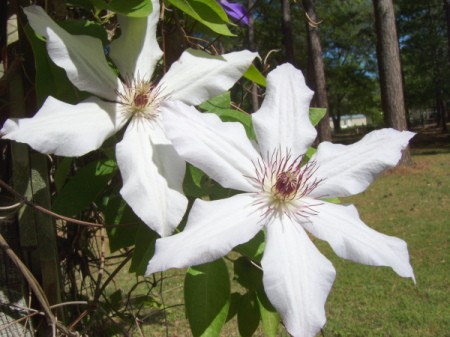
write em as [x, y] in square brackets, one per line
[283, 196]
[152, 171]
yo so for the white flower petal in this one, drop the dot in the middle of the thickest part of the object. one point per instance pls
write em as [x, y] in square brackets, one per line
[297, 277]
[351, 239]
[170, 165]
[150, 186]
[158, 134]
[198, 76]
[350, 169]
[136, 51]
[221, 150]
[214, 228]
[64, 129]
[282, 122]
[81, 56]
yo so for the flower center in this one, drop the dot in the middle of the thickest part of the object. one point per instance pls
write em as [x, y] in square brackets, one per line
[140, 98]
[285, 183]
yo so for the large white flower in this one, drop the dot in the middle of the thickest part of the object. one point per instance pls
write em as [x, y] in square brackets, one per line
[152, 171]
[284, 196]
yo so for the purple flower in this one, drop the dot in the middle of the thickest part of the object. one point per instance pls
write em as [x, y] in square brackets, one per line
[235, 10]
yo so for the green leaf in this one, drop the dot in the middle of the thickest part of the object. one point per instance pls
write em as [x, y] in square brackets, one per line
[132, 8]
[84, 27]
[84, 187]
[197, 175]
[218, 192]
[214, 6]
[316, 114]
[63, 166]
[333, 200]
[269, 316]
[247, 274]
[309, 153]
[118, 212]
[248, 314]
[144, 249]
[217, 103]
[254, 248]
[50, 79]
[220, 105]
[207, 12]
[234, 303]
[207, 298]
[194, 184]
[230, 115]
[254, 75]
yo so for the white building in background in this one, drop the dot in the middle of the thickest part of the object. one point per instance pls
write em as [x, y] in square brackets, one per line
[351, 121]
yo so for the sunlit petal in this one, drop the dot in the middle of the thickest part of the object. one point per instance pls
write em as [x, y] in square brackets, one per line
[297, 278]
[136, 51]
[65, 129]
[214, 228]
[351, 239]
[221, 150]
[198, 76]
[283, 122]
[349, 169]
[150, 186]
[81, 56]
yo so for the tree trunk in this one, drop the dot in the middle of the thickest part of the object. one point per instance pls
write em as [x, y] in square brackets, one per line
[447, 20]
[286, 30]
[335, 117]
[317, 68]
[389, 68]
[441, 108]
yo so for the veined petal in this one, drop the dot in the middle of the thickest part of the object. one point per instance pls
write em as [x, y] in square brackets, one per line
[81, 56]
[151, 187]
[213, 229]
[297, 277]
[222, 150]
[64, 129]
[351, 239]
[283, 122]
[198, 76]
[350, 169]
[136, 51]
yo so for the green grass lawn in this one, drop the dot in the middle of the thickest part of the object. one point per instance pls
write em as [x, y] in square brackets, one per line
[410, 203]
[413, 204]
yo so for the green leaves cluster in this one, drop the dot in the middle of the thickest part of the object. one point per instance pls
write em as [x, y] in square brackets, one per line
[208, 287]
[207, 12]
